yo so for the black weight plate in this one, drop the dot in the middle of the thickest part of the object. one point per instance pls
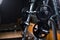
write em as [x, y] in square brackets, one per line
[37, 30]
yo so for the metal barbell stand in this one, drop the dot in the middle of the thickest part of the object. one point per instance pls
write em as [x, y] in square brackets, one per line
[53, 21]
[27, 22]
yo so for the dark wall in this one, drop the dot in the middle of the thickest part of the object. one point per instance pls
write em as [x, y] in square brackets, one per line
[10, 10]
